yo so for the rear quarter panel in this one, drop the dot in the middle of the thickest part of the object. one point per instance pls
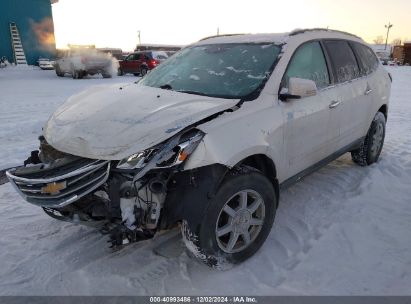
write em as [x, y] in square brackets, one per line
[381, 83]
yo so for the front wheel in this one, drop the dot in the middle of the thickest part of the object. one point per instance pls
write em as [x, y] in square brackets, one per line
[237, 222]
[371, 148]
[76, 74]
[59, 73]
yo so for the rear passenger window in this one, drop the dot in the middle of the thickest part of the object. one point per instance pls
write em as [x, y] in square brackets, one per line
[343, 59]
[368, 60]
[308, 62]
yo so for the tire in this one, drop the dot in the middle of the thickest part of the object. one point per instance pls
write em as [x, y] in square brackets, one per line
[106, 75]
[120, 72]
[59, 73]
[77, 74]
[215, 246]
[371, 148]
[143, 71]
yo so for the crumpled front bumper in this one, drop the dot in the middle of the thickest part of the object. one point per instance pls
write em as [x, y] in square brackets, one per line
[60, 186]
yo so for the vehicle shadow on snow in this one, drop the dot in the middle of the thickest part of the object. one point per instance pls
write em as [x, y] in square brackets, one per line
[71, 259]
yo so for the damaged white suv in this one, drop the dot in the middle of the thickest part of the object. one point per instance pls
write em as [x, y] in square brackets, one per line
[208, 138]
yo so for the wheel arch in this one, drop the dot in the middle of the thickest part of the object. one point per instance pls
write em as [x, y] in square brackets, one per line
[265, 165]
[384, 110]
[201, 184]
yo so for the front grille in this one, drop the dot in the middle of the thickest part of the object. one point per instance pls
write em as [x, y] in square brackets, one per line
[73, 181]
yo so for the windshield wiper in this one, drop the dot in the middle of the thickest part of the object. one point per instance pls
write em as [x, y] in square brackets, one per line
[169, 87]
[166, 87]
[192, 92]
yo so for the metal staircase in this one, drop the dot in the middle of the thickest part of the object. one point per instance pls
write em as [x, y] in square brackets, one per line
[18, 51]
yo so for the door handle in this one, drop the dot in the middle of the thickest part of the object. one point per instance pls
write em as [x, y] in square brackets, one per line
[334, 104]
[368, 92]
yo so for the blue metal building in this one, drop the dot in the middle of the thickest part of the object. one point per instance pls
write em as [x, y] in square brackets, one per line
[34, 21]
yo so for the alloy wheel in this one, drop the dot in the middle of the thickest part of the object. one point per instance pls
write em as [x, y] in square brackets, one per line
[240, 221]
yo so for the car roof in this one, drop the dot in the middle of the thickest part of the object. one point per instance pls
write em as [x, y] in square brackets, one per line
[279, 38]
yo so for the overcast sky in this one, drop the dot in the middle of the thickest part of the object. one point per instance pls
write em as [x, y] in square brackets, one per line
[115, 23]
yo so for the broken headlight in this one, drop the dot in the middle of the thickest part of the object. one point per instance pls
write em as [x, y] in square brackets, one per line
[171, 153]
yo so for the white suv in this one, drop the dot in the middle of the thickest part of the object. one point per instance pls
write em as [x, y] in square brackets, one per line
[208, 139]
[83, 61]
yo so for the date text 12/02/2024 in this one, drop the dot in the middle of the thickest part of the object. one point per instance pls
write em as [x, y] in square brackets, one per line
[234, 299]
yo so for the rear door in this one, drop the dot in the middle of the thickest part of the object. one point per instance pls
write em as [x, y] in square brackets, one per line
[141, 59]
[308, 129]
[368, 66]
[349, 109]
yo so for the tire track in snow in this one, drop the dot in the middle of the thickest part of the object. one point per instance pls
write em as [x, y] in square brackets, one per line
[296, 228]
[338, 183]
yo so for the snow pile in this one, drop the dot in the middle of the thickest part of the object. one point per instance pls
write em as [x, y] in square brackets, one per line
[344, 230]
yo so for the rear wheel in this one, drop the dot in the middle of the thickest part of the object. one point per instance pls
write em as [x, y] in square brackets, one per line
[237, 222]
[143, 71]
[106, 74]
[371, 148]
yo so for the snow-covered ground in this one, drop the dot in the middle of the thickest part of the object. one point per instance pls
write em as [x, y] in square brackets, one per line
[341, 231]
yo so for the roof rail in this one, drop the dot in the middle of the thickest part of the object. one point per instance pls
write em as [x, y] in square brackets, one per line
[225, 35]
[302, 31]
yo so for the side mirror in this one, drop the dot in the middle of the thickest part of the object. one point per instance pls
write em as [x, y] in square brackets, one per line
[298, 88]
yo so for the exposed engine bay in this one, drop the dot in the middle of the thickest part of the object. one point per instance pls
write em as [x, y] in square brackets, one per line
[124, 199]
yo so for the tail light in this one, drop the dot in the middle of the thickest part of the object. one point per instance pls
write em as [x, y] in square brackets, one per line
[154, 62]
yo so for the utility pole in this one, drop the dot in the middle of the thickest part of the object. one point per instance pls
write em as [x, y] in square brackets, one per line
[218, 31]
[388, 27]
[139, 37]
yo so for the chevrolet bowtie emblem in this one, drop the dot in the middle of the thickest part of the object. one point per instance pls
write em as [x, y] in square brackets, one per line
[54, 188]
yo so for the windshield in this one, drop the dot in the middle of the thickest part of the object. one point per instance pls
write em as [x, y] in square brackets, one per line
[218, 70]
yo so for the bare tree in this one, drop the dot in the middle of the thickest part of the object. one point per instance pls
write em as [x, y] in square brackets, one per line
[379, 40]
[396, 41]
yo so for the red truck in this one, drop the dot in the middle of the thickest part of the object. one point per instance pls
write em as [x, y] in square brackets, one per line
[139, 63]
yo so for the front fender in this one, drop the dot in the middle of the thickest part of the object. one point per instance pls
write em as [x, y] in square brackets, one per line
[189, 195]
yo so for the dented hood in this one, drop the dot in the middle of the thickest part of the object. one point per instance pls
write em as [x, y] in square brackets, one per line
[116, 121]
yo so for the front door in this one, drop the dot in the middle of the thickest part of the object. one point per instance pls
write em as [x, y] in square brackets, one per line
[309, 130]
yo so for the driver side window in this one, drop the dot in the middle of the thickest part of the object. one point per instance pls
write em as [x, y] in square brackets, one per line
[308, 62]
